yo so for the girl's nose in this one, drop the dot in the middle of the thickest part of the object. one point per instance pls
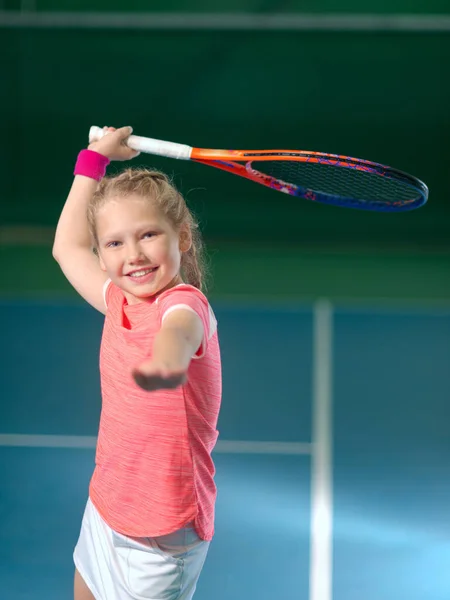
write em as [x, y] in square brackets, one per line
[134, 253]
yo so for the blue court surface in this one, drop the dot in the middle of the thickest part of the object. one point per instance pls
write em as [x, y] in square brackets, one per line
[390, 467]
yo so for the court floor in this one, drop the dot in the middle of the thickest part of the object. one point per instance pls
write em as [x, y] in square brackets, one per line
[390, 461]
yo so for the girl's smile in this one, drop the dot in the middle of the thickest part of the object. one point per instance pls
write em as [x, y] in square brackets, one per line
[141, 276]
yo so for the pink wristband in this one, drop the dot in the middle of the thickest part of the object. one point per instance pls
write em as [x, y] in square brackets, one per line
[91, 164]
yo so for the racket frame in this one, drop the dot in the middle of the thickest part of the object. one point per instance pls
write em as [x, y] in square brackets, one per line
[231, 161]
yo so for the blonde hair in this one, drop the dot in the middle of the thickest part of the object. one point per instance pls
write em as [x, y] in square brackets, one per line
[156, 187]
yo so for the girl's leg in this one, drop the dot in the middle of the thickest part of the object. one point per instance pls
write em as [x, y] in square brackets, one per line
[80, 589]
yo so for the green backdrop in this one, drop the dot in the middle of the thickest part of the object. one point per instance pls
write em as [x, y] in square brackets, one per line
[330, 6]
[383, 97]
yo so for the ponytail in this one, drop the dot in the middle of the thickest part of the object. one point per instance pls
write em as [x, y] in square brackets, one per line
[193, 267]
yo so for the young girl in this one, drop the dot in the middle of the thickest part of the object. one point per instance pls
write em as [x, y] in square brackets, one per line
[149, 518]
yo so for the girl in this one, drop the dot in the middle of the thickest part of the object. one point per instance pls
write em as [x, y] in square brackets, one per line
[149, 517]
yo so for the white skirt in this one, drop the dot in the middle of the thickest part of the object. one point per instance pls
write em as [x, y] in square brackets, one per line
[118, 567]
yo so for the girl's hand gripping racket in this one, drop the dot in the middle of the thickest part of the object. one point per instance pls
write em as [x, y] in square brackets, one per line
[317, 176]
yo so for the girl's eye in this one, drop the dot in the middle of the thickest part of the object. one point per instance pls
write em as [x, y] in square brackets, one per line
[149, 234]
[112, 244]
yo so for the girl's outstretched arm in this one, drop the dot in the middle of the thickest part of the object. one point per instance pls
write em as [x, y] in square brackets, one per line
[175, 344]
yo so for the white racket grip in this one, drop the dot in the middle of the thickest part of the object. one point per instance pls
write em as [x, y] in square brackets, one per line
[148, 145]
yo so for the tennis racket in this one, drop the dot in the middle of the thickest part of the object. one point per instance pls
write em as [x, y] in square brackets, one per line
[316, 176]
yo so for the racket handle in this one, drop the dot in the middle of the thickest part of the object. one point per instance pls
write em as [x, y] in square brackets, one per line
[148, 145]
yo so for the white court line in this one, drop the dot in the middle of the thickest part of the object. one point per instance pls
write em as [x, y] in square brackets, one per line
[222, 447]
[247, 447]
[321, 545]
[47, 441]
[420, 23]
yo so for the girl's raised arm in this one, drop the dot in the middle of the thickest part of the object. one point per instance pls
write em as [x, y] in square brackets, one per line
[72, 247]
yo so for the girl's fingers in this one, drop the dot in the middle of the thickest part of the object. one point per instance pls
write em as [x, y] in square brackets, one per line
[125, 131]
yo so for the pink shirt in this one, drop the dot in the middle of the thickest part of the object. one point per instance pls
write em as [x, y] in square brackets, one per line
[154, 472]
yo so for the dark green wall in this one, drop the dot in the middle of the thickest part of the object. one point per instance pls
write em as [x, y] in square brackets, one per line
[263, 273]
[345, 6]
[383, 97]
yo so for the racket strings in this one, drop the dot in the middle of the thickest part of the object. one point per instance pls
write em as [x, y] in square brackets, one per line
[339, 181]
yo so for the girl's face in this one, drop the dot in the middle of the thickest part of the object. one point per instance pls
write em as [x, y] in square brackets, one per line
[138, 247]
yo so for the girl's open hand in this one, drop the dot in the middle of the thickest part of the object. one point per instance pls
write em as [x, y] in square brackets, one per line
[113, 145]
[151, 376]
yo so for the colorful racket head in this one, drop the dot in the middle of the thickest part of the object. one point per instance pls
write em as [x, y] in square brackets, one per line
[332, 179]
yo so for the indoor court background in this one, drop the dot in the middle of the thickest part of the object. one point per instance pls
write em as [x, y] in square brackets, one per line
[333, 457]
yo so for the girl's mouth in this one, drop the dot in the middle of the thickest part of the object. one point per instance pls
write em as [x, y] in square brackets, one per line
[142, 275]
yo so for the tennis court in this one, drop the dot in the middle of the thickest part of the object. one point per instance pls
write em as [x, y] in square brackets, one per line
[390, 475]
